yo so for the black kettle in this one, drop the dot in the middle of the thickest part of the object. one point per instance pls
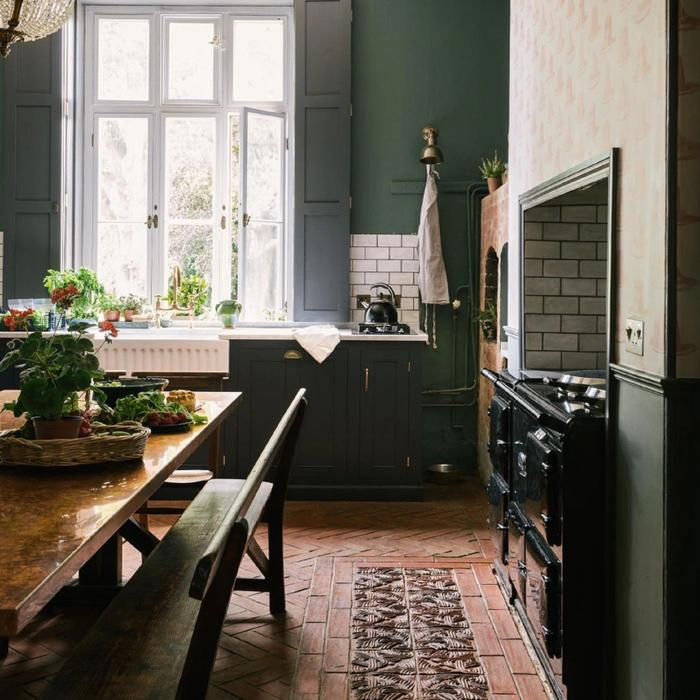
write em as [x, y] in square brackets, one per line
[380, 309]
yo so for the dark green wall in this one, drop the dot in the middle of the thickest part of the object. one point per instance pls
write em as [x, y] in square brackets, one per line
[418, 62]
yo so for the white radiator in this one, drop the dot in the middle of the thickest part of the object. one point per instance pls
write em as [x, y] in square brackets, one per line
[159, 355]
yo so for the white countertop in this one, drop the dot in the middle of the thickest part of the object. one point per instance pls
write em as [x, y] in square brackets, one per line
[213, 333]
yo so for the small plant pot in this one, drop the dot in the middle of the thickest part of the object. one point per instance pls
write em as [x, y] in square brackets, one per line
[64, 428]
[488, 329]
[493, 183]
[129, 314]
[112, 315]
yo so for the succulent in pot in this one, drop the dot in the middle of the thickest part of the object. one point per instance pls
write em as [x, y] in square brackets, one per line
[493, 171]
[54, 371]
[111, 307]
[131, 305]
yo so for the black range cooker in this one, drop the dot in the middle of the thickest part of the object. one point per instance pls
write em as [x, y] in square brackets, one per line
[547, 504]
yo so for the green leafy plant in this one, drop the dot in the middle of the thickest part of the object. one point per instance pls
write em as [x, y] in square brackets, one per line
[143, 406]
[133, 303]
[87, 302]
[109, 302]
[492, 167]
[487, 318]
[194, 292]
[53, 371]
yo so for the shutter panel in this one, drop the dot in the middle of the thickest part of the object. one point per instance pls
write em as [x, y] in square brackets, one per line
[322, 160]
[31, 216]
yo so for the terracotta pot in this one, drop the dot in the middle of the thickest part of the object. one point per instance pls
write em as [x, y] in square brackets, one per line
[129, 314]
[54, 429]
[112, 315]
[493, 183]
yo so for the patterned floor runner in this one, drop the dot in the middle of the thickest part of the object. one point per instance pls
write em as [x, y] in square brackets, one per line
[411, 637]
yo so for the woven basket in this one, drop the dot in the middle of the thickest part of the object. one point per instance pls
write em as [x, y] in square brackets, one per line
[94, 449]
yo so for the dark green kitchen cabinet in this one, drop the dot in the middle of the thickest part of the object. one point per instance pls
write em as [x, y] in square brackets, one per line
[360, 437]
[269, 374]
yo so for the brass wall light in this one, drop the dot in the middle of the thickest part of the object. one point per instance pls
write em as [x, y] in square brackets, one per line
[431, 154]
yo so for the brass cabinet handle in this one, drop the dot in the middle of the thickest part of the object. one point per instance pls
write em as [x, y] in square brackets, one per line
[292, 355]
[366, 378]
[155, 221]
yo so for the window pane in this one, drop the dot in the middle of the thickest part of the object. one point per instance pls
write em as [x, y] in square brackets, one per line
[122, 258]
[235, 175]
[190, 159]
[262, 272]
[189, 165]
[122, 166]
[258, 65]
[122, 63]
[191, 61]
[264, 167]
[190, 247]
[122, 186]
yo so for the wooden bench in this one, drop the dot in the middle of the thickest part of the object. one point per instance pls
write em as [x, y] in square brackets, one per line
[158, 638]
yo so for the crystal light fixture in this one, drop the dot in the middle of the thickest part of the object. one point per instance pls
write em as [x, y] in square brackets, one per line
[29, 20]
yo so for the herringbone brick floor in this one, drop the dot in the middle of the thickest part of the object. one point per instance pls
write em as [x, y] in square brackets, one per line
[257, 652]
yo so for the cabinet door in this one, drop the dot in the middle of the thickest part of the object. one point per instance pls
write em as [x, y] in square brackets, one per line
[385, 440]
[269, 376]
[9, 379]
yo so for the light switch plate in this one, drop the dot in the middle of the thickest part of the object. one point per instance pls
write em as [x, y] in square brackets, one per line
[634, 336]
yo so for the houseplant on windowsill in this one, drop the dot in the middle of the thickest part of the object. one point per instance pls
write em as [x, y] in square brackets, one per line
[54, 370]
[131, 305]
[493, 170]
[85, 305]
[111, 307]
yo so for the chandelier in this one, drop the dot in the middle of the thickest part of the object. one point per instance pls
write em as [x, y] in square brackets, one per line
[28, 20]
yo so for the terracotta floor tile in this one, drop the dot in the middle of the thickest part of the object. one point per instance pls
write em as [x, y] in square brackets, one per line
[517, 656]
[530, 687]
[486, 640]
[504, 624]
[499, 675]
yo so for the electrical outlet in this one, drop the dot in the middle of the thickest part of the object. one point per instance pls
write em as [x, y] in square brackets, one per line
[634, 332]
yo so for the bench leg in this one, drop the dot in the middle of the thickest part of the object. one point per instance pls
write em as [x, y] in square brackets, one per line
[276, 570]
[105, 566]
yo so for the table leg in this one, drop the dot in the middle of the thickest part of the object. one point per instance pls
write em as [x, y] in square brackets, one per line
[105, 566]
[215, 451]
[4, 647]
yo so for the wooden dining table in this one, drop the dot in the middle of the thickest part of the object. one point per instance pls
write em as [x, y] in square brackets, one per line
[59, 521]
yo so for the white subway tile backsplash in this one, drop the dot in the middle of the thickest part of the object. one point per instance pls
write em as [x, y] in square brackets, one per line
[363, 265]
[357, 278]
[388, 266]
[391, 240]
[375, 277]
[410, 290]
[408, 265]
[377, 253]
[401, 253]
[409, 240]
[363, 239]
[400, 278]
[356, 253]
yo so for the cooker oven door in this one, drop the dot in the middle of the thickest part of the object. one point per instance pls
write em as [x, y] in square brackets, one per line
[543, 596]
[497, 490]
[542, 473]
[518, 527]
[499, 438]
[522, 424]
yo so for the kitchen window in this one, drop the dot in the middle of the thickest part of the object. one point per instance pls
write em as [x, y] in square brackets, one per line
[186, 149]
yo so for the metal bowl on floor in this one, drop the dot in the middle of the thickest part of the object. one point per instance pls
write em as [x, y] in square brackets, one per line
[445, 473]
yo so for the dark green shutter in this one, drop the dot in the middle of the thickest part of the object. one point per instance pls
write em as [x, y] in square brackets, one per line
[322, 160]
[31, 201]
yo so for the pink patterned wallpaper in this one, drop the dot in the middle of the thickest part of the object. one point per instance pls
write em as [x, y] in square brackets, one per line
[688, 232]
[585, 76]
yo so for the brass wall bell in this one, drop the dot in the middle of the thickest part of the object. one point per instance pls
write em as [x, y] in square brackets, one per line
[431, 154]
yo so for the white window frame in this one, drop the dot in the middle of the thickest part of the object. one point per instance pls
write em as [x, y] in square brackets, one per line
[89, 109]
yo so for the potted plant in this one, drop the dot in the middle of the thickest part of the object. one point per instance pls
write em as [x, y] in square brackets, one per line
[18, 320]
[493, 170]
[54, 370]
[111, 307]
[228, 312]
[132, 305]
[193, 293]
[488, 320]
[85, 306]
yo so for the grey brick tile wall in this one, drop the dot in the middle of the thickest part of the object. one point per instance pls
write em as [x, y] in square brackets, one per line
[565, 270]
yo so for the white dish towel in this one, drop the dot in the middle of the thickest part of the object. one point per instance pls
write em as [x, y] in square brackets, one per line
[318, 341]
